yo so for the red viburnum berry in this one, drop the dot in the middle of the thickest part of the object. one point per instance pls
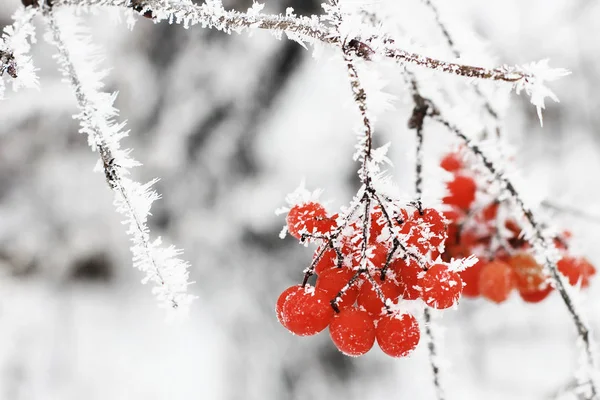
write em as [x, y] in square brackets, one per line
[283, 297]
[303, 218]
[352, 331]
[537, 296]
[377, 224]
[379, 253]
[306, 312]
[333, 280]
[369, 298]
[576, 269]
[496, 281]
[451, 162]
[436, 223]
[529, 275]
[408, 279]
[397, 334]
[470, 278]
[490, 212]
[328, 260]
[461, 192]
[440, 287]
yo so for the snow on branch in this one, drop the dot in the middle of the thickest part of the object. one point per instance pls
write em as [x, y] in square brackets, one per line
[530, 77]
[77, 58]
[15, 45]
[545, 251]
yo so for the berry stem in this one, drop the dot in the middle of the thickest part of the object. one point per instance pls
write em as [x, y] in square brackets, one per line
[543, 246]
[416, 122]
[433, 356]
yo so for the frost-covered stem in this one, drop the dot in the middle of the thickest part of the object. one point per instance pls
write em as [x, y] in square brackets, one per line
[572, 210]
[433, 356]
[143, 250]
[8, 63]
[233, 21]
[452, 46]
[416, 122]
[541, 245]
[360, 98]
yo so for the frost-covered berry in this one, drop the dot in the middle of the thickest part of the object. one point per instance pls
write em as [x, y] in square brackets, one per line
[303, 218]
[441, 287]
[397, 334]
[369, 298]
[306, 312]
[328, 260]
[529, 275]
[470, 278]
[352, 331]
[333, 280]
[461, 192]
[408, 277]
[576, 269]
[287, 293]
[536, 296]
[451, 162]
[496, 281]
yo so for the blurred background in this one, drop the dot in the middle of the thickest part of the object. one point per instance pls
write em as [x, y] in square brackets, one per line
[231, 124]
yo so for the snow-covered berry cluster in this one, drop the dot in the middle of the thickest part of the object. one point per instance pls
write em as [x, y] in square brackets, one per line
[485, 229]
[369, 261]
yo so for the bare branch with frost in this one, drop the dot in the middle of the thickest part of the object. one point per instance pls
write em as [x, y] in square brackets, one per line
[161, 265]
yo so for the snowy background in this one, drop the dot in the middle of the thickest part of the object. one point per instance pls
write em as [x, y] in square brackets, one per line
[231, 124]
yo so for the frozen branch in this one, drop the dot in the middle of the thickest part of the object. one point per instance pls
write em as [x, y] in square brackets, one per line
[160, 265]
[543, 247]
[421, 106]
[433, 356]
[211, 14]
[15, 46]
[453, 48]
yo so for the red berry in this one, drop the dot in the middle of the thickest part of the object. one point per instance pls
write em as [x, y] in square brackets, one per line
[451, 162]
[283, 297]
[302, 218]
[408, 278]
[461, 192]
[470, 278]
[369, 299]
[576, 269]
[537, 296]
[377, 224]
[398, 334]
[333, 280]
[307, 312]
[353, 332]
[529, 275]
[328, 260]
[440, 287]
[496, 281]
[435, 222]
[490, 212]
[379, 253]
[323, 226]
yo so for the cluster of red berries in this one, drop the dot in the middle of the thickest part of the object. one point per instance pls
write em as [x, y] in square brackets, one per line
[505, 262]
[359, 289]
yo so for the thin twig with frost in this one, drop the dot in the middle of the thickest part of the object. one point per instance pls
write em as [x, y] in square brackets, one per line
[160, 265]
[452, 46]
[15, 45]
[416, 122]
[543, 247]
[211, 14]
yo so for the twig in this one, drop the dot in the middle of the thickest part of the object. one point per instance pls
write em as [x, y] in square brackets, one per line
[416, 122]
[213, 16]
[132, 199]
[576, 212]
[542, 246]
